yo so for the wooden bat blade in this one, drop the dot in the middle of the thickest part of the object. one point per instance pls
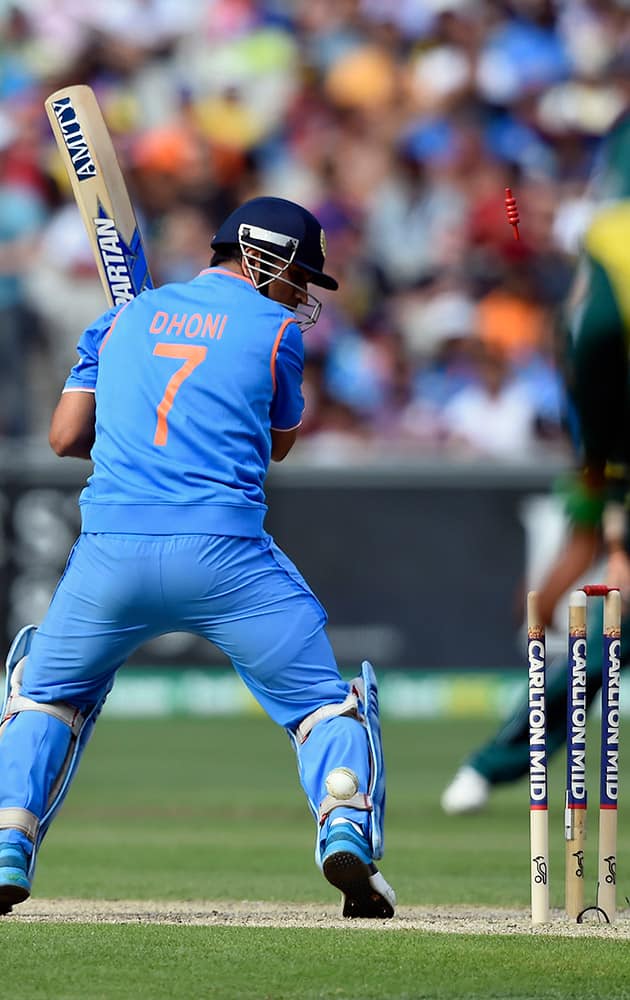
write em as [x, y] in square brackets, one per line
[100, 192]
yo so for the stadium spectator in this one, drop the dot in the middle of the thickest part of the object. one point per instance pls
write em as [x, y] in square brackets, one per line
[400, 123]
[22, 214]
[492, 417]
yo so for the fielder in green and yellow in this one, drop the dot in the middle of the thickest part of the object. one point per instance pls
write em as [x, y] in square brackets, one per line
[596, 496]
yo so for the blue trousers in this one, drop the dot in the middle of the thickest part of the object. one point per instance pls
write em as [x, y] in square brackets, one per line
[119, 591]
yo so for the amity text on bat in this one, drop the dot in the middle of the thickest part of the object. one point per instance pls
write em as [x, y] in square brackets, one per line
[100, 192]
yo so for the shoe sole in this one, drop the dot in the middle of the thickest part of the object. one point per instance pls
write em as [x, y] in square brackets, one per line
[352, 876]
[13, 892]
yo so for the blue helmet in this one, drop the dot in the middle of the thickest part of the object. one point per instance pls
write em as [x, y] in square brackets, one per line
[281, 227]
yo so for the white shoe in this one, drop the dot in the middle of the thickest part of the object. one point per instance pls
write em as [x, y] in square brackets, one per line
[468, 792]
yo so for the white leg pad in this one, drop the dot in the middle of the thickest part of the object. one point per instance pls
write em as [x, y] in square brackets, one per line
[350, 706]
[79, 725]
[15, 702]
[14, 818]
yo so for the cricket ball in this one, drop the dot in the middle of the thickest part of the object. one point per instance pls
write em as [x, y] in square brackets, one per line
[342, 783]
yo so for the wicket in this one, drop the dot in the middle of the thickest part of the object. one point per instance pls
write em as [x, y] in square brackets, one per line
[575, 793]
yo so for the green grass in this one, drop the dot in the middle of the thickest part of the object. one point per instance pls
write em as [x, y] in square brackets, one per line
[212, 809]
[166, 962]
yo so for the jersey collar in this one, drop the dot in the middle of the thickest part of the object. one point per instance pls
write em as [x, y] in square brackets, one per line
[229, 274]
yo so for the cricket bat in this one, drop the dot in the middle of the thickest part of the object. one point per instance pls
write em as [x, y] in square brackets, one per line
[100, 191]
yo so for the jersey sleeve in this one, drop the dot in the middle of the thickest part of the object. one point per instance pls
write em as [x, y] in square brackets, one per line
[82, 377]
[287, 405]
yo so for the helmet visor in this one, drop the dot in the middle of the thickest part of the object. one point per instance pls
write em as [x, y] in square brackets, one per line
[288, 248]
[275, 255]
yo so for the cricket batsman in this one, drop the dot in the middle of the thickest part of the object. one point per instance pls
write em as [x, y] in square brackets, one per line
[181, 397]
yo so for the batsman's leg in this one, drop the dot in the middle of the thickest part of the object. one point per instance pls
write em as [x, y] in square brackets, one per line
[41, 743]
[58, 677]
[350, 821]
[280, 649]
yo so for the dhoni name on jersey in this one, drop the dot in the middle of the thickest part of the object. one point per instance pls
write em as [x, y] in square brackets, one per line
[210, 325]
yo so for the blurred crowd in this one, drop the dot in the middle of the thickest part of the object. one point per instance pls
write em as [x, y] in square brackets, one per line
[399, 123]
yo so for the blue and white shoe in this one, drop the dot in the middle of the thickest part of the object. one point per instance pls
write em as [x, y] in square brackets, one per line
[347, 864]
[15, 885]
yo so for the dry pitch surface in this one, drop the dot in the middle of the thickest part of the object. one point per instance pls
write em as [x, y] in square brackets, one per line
[447, 920]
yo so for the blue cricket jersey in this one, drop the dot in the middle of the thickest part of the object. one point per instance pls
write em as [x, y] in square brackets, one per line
[189, 379]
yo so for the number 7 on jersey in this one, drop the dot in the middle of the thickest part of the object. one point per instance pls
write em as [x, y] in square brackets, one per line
[193, 355]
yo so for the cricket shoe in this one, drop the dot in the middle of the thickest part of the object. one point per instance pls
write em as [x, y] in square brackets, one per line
[468, 792]
[347, 864]
[15, 885]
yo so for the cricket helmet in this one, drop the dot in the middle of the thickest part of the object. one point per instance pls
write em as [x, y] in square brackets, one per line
[273, 234]
[283, 227]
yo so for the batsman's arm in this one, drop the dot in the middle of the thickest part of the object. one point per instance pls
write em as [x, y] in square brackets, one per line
[282, 442]
[287, 367]
[71, 433]
[72, 427]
